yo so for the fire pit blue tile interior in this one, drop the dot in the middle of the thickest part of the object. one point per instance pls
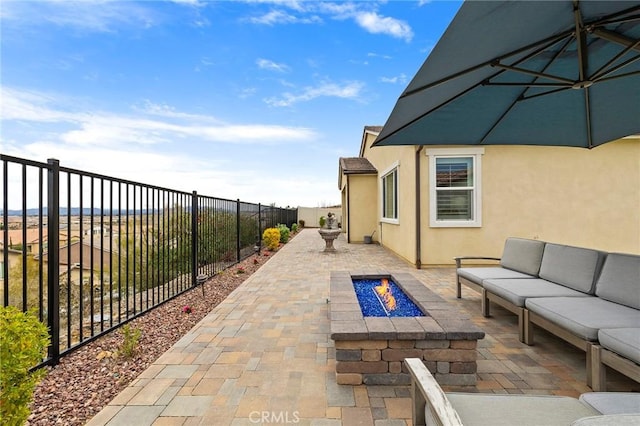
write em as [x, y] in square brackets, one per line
[383, 298]
[371, 347]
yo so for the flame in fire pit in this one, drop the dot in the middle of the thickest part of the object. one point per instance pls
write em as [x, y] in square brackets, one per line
[385, 295]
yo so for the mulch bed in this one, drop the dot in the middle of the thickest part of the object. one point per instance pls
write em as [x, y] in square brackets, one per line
[86, 380]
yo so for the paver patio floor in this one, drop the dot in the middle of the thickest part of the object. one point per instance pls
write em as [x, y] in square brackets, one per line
[264, 356]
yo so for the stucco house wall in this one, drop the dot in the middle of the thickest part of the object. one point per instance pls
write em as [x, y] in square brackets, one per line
[311, 215]
[360, 207]
[398, 236]
[588, 198]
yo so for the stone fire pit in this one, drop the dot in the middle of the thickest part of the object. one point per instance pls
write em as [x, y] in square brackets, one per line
[371, 350]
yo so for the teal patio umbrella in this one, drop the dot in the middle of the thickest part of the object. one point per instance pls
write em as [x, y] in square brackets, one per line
[559, 73]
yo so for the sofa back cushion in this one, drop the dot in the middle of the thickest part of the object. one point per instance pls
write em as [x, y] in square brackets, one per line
[522, 255]
[573, 267]
[619, 281]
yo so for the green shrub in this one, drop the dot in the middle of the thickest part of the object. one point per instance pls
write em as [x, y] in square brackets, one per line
[294, 227]
[284, 233]
[301, 222]
[129, 345]
[23, 342]
[322, 221]
[271, 237]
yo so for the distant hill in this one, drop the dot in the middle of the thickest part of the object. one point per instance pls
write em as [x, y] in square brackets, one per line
[75, 211]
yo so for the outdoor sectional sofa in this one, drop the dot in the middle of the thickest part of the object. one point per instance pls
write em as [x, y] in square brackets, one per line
[587, 297]
[432, 406]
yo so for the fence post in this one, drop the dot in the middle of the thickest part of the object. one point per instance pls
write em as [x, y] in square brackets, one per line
[53, 253]
[259, 239]
[238, 230]
[5, 232]
[194, 238]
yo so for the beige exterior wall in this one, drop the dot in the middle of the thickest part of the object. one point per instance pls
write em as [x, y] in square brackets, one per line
[311, 215]
[362, 219]
[586, 198]
[399, 237]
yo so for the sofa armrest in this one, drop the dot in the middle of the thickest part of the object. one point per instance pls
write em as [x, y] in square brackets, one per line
[459, 259]
[430, 404]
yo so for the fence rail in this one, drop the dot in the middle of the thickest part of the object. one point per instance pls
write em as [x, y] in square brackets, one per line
[98, 251]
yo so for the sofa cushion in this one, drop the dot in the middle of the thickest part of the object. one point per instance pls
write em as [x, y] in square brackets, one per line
[517, 291]
[613, 402]
[609, 420]
[479, 274]
[573, 267]
[620, 280]
[584, 316]
[522, 255]
[521, 410]
[623, 341]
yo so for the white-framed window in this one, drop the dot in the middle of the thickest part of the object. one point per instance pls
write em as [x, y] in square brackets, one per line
[389, 189]
[455, 187]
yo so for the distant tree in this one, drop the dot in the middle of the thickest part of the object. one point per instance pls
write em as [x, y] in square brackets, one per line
[32, 283]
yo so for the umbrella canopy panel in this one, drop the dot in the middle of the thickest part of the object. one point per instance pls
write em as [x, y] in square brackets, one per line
[561, 73]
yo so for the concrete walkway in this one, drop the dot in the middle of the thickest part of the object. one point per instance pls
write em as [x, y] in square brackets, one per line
[264, 356]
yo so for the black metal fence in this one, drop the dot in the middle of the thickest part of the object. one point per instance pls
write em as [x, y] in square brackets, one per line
[95, 252]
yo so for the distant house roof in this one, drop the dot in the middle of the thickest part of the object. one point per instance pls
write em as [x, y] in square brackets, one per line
[373, 129]
[368, 130]
[356, 165]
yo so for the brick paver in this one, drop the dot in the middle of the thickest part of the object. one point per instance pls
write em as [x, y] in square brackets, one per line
[264, 356]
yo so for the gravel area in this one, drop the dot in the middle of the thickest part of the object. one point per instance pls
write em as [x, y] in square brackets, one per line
[87, 379]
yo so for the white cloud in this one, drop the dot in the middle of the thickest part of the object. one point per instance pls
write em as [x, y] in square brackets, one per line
[338, 10]
[363, 13]
[166, 111]
[247, 92]
[175, 170]
[266, 64]
[32, 106]
[377, 24]
[291, 4]
[350, 90]
[95, 16]
[217, 177]
[145, 145]
[377, 55]
[398, 79]
[276, 17]
[204, 62]
[151, 124]
[196, 3]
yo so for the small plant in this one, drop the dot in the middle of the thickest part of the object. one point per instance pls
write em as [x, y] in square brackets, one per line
[284, 233]
[255, 261]
[322, 221]
[105, 356]
[271, 237]
[240, 270]
[301, 222]
[187, 309]
[23, 342]
[294, 228]
[129, 345]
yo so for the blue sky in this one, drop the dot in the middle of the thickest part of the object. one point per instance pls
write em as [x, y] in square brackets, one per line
[254, 100]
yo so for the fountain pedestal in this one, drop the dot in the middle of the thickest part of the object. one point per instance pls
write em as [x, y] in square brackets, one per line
[329, 235]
